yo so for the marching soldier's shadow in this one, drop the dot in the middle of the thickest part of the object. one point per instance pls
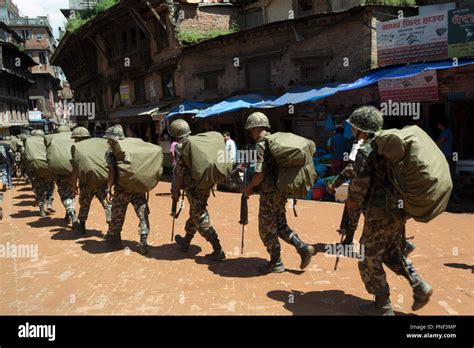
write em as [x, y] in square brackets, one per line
[25, 203]
[95, 246]
[171, 252]
[242, 267]
[47, 222]
[24, 196]
[70, 234]
[325, 302]
[22, 214]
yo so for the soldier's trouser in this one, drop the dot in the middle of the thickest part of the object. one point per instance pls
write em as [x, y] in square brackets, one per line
[198, 215]
[121, 199]
[272, 222]
[49, 189]
[384, 242]
[86, 194]
[65, 192]
[40, 187]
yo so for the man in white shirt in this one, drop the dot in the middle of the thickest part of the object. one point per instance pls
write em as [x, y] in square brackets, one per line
[230, 146]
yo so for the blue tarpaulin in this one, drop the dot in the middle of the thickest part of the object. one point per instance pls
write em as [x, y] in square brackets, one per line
[238, 102]
[187, 107]
[304, 94]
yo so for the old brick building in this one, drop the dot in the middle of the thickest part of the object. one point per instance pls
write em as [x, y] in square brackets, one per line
[39, 45]
[15, 79]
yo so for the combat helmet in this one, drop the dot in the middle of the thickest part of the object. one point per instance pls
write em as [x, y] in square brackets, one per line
[257, 119]
[179, 129]
[80, 132]
[115, 133]
[38, 133]
[63, 129]
[367, 119]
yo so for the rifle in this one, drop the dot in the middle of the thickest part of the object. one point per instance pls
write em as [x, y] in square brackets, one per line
[244, 212]
[175, 214]
[337, 258]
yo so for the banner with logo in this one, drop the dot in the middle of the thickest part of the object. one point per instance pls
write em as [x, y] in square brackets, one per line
[461, 33]
[412, 39]
[421, 87]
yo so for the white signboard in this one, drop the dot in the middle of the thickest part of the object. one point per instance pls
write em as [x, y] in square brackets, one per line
[412, 39]
[34, 115]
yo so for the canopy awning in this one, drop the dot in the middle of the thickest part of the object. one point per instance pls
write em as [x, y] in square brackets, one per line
[187, 107]
[238, 102]
[142, 113]
[304, 94]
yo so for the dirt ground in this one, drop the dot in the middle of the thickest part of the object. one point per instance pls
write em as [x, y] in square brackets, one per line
[79, 275]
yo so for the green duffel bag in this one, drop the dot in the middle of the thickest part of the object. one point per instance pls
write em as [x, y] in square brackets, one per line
[418, 170]
[88, 161]
[294, 157]
[204, 155]
[58, 154]
[139, 164]
[35, 156]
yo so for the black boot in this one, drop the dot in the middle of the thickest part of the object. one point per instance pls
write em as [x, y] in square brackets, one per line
[218, 254]
[422, 292]
[306, 251]
[42, 211]
[183, 242]
[381, 306]
[273, 266]
[80, 227]
[67, 218]
[113, 241]
[143, 246]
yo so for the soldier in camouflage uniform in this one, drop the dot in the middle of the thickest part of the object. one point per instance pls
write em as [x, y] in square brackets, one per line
[86, 193]
[121, 198]
[350, 222]
[64, 189]
[39, 184]
[272, 213]
[198, 215]
[384, 226]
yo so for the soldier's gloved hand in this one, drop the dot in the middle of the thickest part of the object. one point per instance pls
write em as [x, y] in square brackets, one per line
[330, 188]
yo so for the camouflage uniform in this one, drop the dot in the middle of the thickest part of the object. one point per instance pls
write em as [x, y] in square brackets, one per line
[50, 192]
[122, 197]
[86, 195]
[66, 194]
[272, 213]
[40, 187]
[384, 228]
[198, 215]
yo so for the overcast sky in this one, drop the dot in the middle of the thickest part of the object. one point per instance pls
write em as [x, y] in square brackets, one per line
[33, 8]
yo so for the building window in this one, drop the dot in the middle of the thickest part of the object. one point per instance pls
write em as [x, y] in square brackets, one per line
[253, 19]
[162, 37]
[39, 37]
[211, 82]
[167, 84]
[310, 71]
[133, 36]
[124, 42]
[305, 7]
[139, 86]
[43, 58]
[258, 75]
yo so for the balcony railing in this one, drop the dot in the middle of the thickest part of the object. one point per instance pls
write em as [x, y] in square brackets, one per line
[27, 22]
